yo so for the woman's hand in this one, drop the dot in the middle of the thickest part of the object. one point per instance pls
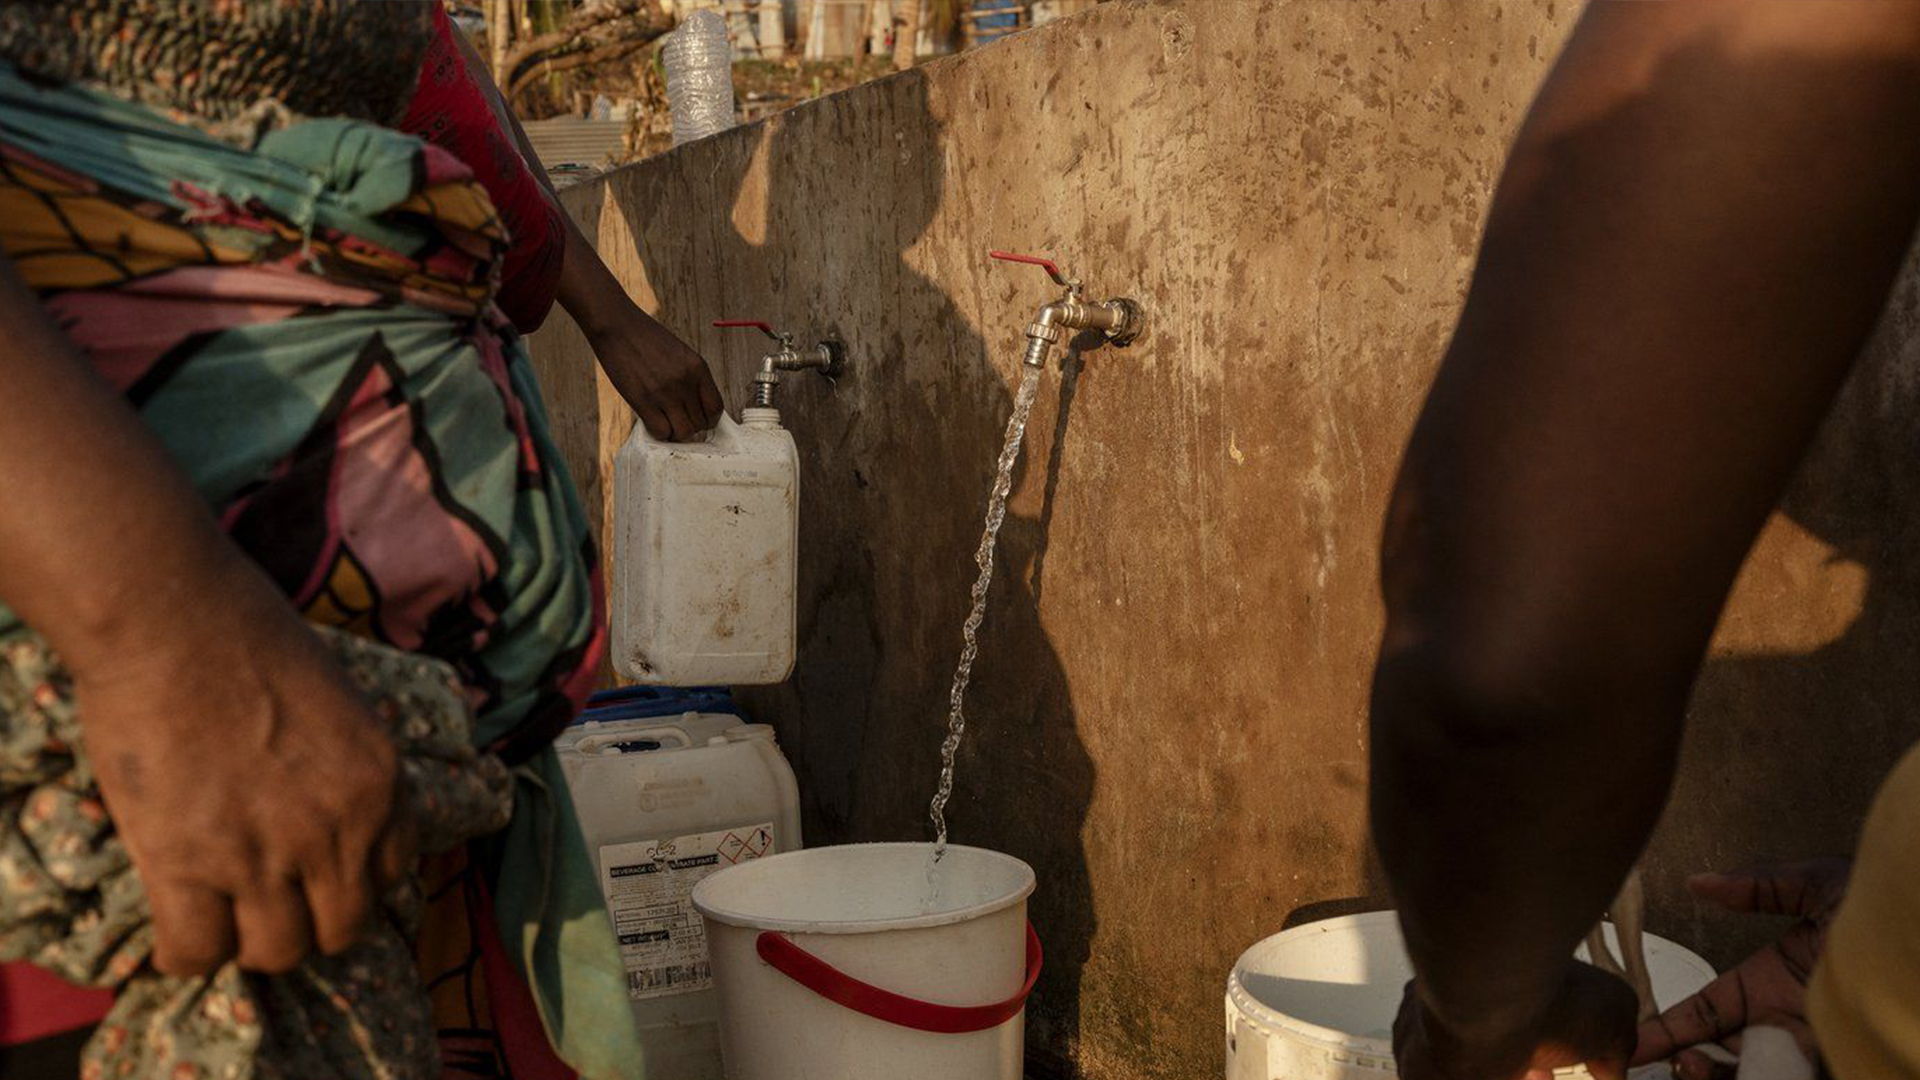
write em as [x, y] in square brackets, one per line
[1590, 1022]
[246, 776]
[663, 378]
[254, 790]
[1769, 987]
[665, 381]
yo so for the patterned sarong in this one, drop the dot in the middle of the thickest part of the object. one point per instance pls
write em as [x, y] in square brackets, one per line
[308, 326]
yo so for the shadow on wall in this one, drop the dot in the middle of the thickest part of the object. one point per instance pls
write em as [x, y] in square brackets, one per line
[1788, 740]
[884, 583]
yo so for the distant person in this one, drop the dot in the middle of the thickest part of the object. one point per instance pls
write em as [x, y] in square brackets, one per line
[1695, 232]
[259, 379]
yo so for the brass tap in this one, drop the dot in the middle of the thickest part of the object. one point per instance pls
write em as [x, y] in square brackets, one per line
[829, 358]
[1120, 320]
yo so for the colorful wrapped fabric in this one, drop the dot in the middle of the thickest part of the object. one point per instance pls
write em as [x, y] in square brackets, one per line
[71, 902]
[308, 325]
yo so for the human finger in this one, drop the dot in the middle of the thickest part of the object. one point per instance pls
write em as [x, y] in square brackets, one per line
[655, 420]
[276, 930]
[1717, 1011]
[396, 853]
[1801, 889]
[193, 929]
[710, 399]
[678, 418]
[340, 900]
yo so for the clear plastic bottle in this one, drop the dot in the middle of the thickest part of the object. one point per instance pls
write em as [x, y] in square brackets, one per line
[699, 62]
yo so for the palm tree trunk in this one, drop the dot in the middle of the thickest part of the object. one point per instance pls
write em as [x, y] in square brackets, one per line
[906, 33]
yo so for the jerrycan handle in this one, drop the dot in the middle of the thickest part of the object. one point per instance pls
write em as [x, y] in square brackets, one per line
[599, 744]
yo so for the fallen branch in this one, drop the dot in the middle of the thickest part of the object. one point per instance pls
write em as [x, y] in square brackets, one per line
[553, 65]
[594, 33]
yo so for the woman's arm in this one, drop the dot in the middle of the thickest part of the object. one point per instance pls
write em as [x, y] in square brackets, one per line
[663, 378]
[1694, 235]
[249, 783]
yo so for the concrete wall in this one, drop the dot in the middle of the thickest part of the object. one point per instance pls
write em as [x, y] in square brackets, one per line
[1168, 711]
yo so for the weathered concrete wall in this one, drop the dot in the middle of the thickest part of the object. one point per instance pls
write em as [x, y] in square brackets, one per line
[1168, 712]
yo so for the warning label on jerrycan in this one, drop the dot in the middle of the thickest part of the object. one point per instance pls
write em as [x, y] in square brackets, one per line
[649, 889]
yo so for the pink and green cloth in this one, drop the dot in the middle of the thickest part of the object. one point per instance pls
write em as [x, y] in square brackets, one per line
[308, 324]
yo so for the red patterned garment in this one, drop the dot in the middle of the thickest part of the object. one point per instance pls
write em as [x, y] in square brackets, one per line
[451, 110]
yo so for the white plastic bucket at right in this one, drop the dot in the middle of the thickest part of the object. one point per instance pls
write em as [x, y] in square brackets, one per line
[1317, 1002]
[855, 963]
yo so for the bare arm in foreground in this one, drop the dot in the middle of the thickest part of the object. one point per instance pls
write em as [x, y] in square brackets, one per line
[252, 788]
[1694, 235]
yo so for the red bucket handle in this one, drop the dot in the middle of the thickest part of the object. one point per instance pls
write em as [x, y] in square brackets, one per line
[843, 989]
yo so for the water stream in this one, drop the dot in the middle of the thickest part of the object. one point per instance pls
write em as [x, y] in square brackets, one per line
[970, 630]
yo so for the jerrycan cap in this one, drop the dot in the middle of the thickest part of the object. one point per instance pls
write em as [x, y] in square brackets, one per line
[748, 732]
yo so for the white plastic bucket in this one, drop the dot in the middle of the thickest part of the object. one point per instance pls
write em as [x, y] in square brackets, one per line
[1317, 1002]
[842, 963]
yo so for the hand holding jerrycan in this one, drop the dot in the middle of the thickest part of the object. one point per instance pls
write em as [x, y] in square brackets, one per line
[707, 537]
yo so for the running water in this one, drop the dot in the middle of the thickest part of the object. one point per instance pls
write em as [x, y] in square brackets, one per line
[969, 631]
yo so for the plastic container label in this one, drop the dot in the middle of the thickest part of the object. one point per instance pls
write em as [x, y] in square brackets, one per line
[649, 887]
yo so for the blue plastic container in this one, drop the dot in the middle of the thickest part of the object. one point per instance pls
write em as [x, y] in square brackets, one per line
[645, 702]
[994, 19]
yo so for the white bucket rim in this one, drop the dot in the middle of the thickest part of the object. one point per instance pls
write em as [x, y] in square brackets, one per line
[703, 894]
[1306, 1030]
[1331, 1039]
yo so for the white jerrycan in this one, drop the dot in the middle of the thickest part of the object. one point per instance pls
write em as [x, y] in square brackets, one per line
[705, 562]
[664, 802]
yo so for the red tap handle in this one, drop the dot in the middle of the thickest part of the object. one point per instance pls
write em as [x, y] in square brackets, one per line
[752, 323]
[1053, 269]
